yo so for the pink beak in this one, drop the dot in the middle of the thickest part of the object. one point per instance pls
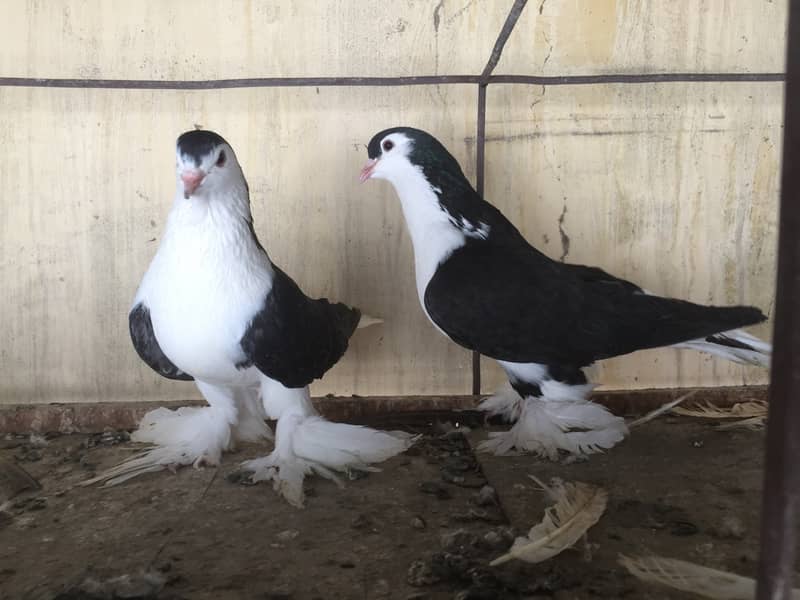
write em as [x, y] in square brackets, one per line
[366, 172]
[191, 181]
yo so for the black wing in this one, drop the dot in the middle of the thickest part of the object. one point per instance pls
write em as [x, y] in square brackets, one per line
[295, 339]
[146, 344]
[514, 303]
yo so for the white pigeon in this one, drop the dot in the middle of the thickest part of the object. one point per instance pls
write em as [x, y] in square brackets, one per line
[486, 288]
[212, 307]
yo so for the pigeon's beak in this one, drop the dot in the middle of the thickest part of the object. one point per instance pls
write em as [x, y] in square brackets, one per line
[191, 181]
[366, 172]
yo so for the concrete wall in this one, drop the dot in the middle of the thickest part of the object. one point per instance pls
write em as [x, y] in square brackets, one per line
[672, 185]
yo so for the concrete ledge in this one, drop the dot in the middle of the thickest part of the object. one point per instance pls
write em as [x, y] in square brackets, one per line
[376, 410]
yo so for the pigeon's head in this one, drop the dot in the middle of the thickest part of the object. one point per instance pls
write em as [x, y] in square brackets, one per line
[206, 164]
[403, 152]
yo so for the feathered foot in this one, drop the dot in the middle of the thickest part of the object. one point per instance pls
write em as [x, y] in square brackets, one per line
[193, 435]
[188, 436]
[505, 403]
[546, 426]
[310, 444]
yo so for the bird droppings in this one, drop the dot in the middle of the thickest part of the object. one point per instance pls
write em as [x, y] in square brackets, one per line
[402, 533]
[419, 523]
[289, 534]
[486, 496]
[435, 488]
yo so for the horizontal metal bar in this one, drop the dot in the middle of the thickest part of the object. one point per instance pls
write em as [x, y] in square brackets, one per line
[216, 84]
[638, 78]
[268, 82]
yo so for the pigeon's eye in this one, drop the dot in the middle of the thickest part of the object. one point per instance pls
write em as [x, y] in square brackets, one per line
[388, 145]
[221, 158]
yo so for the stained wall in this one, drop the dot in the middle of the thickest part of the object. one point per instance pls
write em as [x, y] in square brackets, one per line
[672, 185]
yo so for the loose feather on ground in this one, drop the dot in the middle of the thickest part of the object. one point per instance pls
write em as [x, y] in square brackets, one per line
[578, 506]
[689, 577]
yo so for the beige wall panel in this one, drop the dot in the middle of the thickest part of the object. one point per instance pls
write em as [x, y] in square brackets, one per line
[89, 178]
[560, 37]
[191, 39]
[673, 186]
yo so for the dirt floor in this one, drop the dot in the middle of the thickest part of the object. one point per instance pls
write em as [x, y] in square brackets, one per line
[425, 527]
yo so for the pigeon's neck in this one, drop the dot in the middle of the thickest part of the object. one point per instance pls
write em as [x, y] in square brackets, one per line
[432, 231]
[219, 225]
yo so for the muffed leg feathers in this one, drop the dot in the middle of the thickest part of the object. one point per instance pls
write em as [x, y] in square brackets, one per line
[554, 414]
[192, 435]
[305, 443]
[546, 426]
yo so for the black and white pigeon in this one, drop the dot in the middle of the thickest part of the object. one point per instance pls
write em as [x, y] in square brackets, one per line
[485, 287]
[212, 307]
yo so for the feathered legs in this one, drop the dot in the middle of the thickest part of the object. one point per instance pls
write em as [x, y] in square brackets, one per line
[552, 412]
[306, 443]
[193, 435]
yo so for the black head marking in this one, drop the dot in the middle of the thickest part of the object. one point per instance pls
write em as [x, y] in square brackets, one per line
[428, 153]
[197, 144]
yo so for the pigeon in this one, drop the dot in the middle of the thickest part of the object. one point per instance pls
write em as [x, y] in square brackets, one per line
[213, 308]
[485, 287]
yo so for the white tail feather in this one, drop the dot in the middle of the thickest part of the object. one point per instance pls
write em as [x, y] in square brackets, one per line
[759, 353]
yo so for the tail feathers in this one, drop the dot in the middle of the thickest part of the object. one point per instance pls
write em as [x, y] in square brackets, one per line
[187, 436]
[735, 345]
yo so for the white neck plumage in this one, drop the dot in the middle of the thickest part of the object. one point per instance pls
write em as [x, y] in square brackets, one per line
[432, 233]
[217, 224]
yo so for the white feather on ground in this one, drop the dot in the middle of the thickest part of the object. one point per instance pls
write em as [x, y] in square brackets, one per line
[660, 410]
[741, 410]
[751, 414]
[578, 506]
[692, 578]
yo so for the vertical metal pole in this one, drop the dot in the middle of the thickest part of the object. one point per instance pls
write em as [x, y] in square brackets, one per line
[494, 58]
[480, 152]
[781, 491]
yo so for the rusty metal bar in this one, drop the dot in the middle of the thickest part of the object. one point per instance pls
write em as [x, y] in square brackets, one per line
[480, 153]
[781, 492]
[613, 78]
[502, 38]
[494, 58]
